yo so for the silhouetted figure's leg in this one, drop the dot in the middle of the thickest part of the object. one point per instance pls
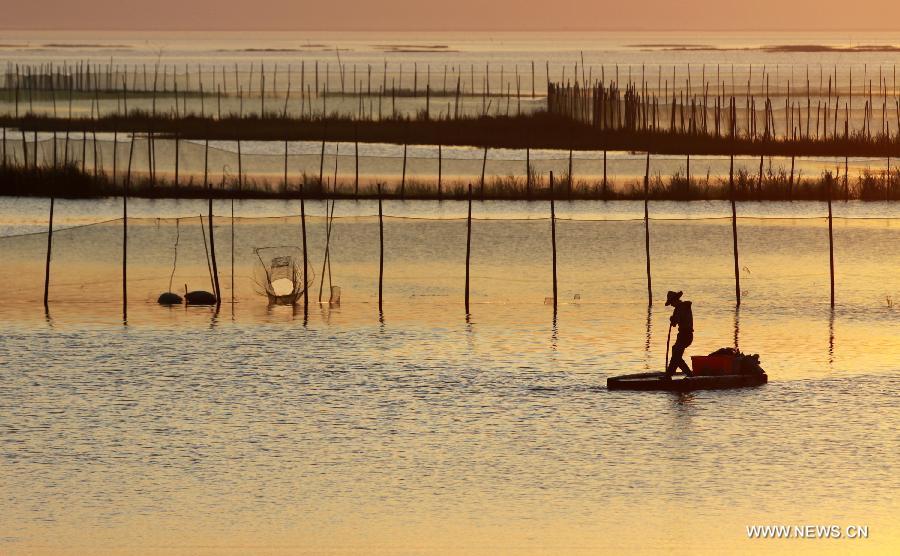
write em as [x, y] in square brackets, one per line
[677, 361]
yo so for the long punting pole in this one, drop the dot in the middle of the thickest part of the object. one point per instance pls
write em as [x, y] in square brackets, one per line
[49, 249]
[647, 227]
[468, 245]
[734, 237]
[380, 250]
[553, 239]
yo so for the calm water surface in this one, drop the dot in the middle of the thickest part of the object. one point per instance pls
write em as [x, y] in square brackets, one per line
[261, 430]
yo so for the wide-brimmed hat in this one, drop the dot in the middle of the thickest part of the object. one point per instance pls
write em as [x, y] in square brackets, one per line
[672, 297]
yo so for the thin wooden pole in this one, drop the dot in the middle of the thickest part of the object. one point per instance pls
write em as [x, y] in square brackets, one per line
[125, 232]
[528, 162]
[403, 177]
[846, 178]
[380, 251]
[441, 171]
[553, 241]
[737, 275]
[468, 245]
[212, 282]
[322, 164]
[647, 228]
[830, 242]
[285, 165]
[206, 164]
[483, 168]
[605, 183]
[232, 250]
[305, 256]
[356, 158]
[791, 181]
[49, 249]
[326, 260]
[212, 252]
[240, 166]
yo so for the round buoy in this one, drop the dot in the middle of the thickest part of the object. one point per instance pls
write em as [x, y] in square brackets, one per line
[169, 298]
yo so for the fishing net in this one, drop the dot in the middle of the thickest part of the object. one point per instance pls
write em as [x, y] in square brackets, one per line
[280, 274]
[601, 259]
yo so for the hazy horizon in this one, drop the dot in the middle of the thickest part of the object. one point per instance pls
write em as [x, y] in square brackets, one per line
[465, 15]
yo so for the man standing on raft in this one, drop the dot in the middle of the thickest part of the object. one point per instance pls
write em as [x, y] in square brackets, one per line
[683, 318]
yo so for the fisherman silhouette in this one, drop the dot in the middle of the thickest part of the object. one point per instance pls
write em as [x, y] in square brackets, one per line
[683, 318]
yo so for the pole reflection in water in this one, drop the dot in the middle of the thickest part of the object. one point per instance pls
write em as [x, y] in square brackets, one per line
[831, 339]
[554, 334]
[326, 313]
[649, 337]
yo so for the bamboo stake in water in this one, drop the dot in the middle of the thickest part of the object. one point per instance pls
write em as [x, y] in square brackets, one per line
[326, 260]
[322, 161]
[305, 256]
[553, 241]
[356, 159]
[483, 168]
[605, 182]
[791, 182]
[830, 242]
[212, 283]
[125, 232]
[49, 249]
[737, 275]
[468, 245]
[403, 176]
[206, 163]
[232, 243]
[285, 165]
[528, 171]
[440, 170]
[212, 251]
[380, 251]
[647, 227]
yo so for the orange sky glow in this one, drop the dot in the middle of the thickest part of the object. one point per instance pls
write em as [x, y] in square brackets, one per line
[411, 15]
